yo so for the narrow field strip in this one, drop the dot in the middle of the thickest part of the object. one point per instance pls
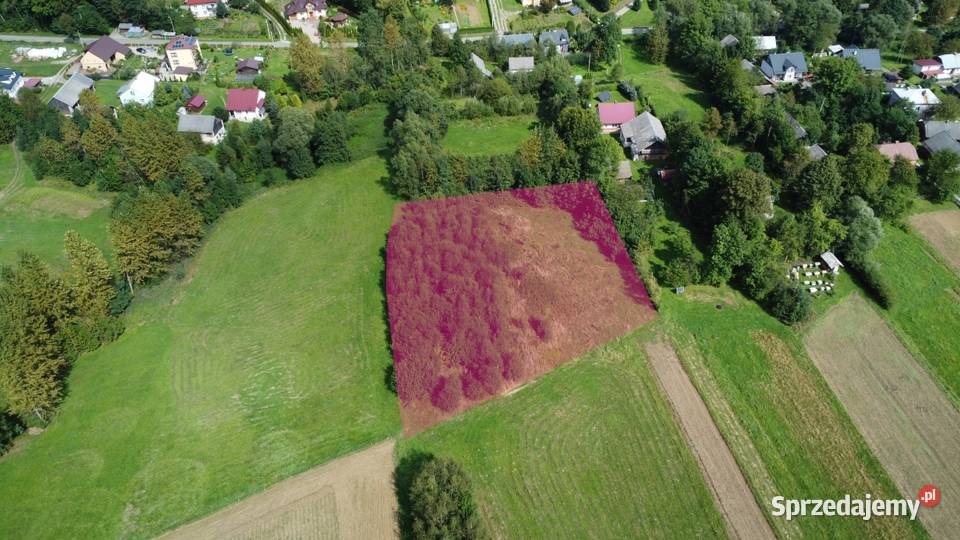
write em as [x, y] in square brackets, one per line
[907, 421]
[350, 497]
[730, 490]
[942, 230]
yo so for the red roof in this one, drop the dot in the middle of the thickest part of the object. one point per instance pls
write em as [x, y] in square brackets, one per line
[616, 113]
[243, 99]
[197, 102]
[32, 83]
[905, 149]
[926, 62]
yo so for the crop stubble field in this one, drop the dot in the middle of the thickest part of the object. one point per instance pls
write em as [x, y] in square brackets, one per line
[910, 425]
[942, 230]
[486, 292]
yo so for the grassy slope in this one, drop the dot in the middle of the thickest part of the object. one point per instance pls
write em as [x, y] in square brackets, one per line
[36, 217]
[488, 136]
[590, 449]
[266, 359]
[806, 442]
[669, 91]
[926, 309]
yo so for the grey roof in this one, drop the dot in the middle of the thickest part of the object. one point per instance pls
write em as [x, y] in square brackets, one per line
[776, 64]
[729, 40]
[869, 59]
[250, 64]
[942, 141]
[517, 40]
[747, 65]
[300, 6]
[477, 61]
[798, 130]
[69, 93]
[105, 47]
[832, 261]
[642, 131]
[624, 171]
[8, 78]
[520, 63]
[816, 152]
[604, 96]
[765, 90]
[933, 127]
[554, 37]
[199, 123]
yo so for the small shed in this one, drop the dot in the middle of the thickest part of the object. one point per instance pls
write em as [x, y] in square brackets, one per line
[604, 96]
[831, 261]
[196, 103]
[339, 20]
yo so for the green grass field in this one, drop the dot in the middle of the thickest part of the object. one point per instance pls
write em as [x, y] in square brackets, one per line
[634, 19]
[35, 68]
[799, 433]
[534, 21]
[589, 450]
[926, 307]
[488, 136]
[35, 215]
[669, 91]
[265, 358]
[239, 25]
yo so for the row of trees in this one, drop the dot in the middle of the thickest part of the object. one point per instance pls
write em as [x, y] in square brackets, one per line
[93, 16]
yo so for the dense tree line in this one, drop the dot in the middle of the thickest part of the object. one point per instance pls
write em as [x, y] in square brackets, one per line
[93, 16]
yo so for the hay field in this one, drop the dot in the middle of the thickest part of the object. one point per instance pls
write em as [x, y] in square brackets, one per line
[942, 230]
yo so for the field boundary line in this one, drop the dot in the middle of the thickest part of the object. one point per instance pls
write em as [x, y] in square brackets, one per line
[729, 487]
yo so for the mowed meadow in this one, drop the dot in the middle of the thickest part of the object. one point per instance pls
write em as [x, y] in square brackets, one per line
[263, 357]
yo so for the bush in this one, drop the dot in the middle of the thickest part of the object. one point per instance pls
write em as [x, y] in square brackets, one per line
[515, 105]
[442, 504]
[868, 275]
[789, 303]
[628, 90]
[10, 427]
[473, 109]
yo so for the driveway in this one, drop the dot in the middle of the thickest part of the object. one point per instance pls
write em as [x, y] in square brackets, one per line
[309, 27]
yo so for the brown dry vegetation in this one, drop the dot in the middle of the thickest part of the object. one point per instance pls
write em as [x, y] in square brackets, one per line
[942, 230]
[907, 421]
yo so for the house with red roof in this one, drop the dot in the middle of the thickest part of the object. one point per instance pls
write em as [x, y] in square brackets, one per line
[899, 149]
[927, 67]
[246, 104]
[201, 9]
[613, 115]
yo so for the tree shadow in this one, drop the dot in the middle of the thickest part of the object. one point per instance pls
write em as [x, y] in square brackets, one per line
[403, 475]
[389, 373]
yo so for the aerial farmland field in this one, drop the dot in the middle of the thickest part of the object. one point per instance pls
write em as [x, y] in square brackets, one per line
[486, 292]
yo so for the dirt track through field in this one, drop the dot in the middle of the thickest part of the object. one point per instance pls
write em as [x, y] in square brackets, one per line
[942, 230]
[351, 498]
[730, 490]
[907, 421]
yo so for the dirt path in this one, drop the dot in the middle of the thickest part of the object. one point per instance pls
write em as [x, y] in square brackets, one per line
[734, 498]
[17, 181]
[907, 421]
[350, 498]
[942, 230]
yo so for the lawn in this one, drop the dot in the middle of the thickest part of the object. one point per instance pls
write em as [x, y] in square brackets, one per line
[488, 136]
[264, 357]
[35, 68]
[926, 305]
[786, 428]
[35, 215]
[471, 14]
[535, 21]
[239, 25]
[635, 19]
[589, 450]
[669, 91]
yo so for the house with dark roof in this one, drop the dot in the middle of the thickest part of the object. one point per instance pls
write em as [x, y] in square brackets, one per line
[248, 70]
[246, 104]
[869, 59]
[68, 96]
[103, 54]
[196, 103]
[604, 96]
[340, 19]
[613, 115]
[941, 141]
[10, 82]
[786, 67]
[302, 10]
[558, 39]
[729, 40]
[518, 40]
[644, 137]
[799, 131]
[932, 127]
[210, 128]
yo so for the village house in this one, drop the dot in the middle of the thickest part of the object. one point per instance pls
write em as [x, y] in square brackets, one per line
[68, 96]
[519, 64]
[248, 70]
[139, 90]
[932, 127]
[799, 131]
[765, 44]
[102, 55]
[869, 59]
[210, 128]
[899, 149]
[558, 39]
[786, 67]
[943, 140]
[949, 64]
[302, 10]
[518, 40]
[614, 115]
[816, 152]
[927, 68]
[644, 137]
[246, 104]
[921, 99]
[339, 20]
[201, 9]
[11, 82]
[183, 57]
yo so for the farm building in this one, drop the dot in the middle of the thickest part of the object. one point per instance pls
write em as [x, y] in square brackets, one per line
[831, 261]
[729, 40]
[210, 128]
[869, 59]
[67, 98]
[765, 44]
[196, 103]
[644, 137]
[247, 70]
[941, 141]
[624, 171]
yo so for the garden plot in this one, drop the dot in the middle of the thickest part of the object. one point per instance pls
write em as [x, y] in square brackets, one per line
[488, 291]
